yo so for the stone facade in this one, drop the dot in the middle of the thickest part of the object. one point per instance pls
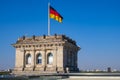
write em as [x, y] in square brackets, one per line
[45, 54]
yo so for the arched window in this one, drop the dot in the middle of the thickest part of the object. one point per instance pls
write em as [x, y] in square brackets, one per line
[39, 58]
[50, 58]
[28, 59]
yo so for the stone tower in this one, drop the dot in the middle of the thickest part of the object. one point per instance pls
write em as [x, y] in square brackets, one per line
[45, 54]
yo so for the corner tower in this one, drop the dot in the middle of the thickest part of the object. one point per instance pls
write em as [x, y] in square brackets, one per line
[45, 54]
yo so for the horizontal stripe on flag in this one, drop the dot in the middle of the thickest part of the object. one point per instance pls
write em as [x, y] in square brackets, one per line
[58, 18]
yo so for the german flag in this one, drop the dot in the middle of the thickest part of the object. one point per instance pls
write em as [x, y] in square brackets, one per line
[55, 15]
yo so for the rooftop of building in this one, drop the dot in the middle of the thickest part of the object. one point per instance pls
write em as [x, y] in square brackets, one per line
[45, 38]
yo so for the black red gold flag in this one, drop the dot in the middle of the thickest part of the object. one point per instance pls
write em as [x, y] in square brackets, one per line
[55, 15]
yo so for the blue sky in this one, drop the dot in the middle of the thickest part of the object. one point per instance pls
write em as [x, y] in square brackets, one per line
[94, 24]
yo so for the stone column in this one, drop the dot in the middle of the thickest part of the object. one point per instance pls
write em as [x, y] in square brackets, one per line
[72, 58]
[76, 59]
[19, 64]
[44, 58]
[68, 58]
[33, 59]
[55, 57]
[24, 59]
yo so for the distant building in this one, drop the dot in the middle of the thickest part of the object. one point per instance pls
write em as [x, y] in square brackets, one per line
[45, 54]
[109, 69]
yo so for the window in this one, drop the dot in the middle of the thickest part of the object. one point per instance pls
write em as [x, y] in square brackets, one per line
[28, 59]
[50, 58]
[39, 58]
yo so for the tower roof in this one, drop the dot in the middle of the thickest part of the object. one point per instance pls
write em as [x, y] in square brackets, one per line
[55, 39]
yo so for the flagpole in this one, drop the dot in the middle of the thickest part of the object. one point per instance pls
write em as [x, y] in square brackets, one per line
[48, 19]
